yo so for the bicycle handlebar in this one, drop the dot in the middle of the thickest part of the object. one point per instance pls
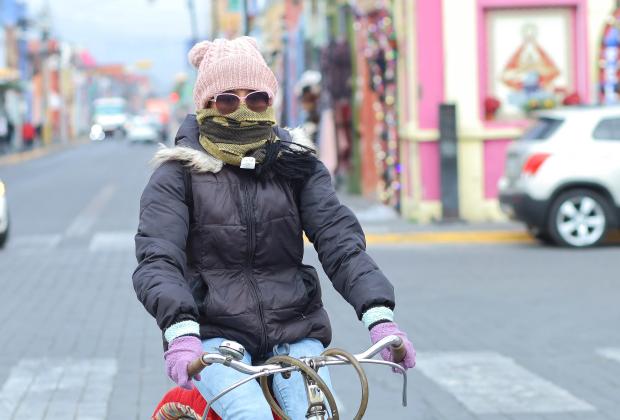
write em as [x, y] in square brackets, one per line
[393, 341]
[308, 365]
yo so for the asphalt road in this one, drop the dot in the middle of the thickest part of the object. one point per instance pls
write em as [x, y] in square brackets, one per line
[503, 331]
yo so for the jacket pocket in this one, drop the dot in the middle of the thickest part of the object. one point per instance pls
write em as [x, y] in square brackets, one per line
[312, 285]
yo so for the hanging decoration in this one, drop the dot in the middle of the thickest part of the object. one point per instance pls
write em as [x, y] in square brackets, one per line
[609, 61]
[381, 54]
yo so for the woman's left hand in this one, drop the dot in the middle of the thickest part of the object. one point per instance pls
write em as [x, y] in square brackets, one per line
[384, 329]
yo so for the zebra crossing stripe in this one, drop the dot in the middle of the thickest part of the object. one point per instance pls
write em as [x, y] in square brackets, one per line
[112, 241]
[49, 389]
[34, 242]
[610, 353]
[489, 383]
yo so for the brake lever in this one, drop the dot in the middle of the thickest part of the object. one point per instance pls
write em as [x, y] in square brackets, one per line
[398, 368]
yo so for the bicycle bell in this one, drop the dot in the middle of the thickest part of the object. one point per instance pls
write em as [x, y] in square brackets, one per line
[232, 349]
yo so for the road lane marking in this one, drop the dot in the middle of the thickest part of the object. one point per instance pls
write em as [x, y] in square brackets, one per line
[611, 353]
[489, 383]
[35, 242]
[57, 389]
[112, 241]
[88, 216]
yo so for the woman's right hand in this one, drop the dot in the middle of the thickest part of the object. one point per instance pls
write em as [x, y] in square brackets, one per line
[181, 352]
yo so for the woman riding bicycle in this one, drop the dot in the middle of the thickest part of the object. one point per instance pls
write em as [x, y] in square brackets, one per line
[220, 239]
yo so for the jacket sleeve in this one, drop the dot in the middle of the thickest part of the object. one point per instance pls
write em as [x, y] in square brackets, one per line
[159, 279]
[339, 241]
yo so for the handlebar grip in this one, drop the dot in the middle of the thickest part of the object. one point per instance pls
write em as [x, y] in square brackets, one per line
[195, 367]
[399, 351]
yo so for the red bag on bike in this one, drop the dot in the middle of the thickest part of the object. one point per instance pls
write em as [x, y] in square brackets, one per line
[179, 402]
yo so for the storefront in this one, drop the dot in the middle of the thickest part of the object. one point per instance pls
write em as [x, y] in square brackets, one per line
[497, 61]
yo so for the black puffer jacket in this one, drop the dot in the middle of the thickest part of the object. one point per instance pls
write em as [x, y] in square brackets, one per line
[225, 249]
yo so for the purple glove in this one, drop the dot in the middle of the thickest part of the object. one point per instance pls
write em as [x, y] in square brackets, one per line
[384, 329]
[181, 352]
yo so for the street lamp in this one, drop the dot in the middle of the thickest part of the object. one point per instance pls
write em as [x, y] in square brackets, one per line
[44, 25]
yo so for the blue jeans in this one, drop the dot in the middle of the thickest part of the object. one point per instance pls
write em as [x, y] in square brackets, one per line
[247, 401]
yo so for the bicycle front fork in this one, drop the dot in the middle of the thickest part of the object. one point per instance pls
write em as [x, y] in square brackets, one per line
[316, 405]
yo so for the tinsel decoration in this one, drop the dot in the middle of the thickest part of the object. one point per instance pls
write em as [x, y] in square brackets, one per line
[381, 54]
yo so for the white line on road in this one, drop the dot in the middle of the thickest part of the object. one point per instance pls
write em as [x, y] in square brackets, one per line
[35, 242]
[45, 389]
[488, 383]
[112, 241]
[610, 353]
[87, 217]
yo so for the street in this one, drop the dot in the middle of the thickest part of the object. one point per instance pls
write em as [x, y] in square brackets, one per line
[503, 331]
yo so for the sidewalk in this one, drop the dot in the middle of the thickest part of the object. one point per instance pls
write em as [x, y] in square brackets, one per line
[19, 156]
[383, 225]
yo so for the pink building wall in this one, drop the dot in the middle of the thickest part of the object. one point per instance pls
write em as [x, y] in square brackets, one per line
[494, 164]
[430, 67]
[430, 62]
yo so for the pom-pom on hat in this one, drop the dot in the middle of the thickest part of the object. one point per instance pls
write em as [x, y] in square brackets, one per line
[225, 64]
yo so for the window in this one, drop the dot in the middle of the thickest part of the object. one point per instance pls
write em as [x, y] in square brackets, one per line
[543, 129]
[607, 129]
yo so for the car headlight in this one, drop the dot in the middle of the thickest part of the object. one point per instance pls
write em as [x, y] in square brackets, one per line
[2, 189]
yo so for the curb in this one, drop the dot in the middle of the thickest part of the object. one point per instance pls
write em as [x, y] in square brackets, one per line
[465, 237]
[469, 237]
[19, 157]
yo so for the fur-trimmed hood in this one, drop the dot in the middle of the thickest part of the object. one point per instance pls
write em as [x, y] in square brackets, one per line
[187, 148]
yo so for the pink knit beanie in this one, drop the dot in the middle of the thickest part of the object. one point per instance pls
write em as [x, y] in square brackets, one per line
[229, 64]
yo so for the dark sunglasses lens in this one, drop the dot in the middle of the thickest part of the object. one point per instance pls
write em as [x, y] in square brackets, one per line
[226, 103]
[258, 101]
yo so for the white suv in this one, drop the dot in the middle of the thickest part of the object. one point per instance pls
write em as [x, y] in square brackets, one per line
[562, 178]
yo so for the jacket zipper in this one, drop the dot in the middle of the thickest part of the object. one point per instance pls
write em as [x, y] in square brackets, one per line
[250, 262]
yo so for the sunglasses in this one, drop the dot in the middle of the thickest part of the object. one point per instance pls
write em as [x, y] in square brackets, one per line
[226, 103]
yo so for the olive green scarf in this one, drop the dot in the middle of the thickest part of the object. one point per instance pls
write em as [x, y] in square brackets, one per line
[239, 134]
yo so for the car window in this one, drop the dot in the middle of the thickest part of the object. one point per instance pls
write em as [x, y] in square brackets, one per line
[542, 129]
[607, 129]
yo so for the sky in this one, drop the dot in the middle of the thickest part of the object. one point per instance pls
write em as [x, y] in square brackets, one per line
[125, 31]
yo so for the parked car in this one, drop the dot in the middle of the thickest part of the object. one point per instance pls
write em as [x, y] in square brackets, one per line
[143, 129]
[4, 216]
[562, 178]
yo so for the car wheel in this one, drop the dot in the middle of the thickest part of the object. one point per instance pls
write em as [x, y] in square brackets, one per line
[579, 218]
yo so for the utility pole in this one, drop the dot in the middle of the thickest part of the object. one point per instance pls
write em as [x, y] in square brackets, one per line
[246, 18]
[215, 18]
[44, 52]
[191, 8]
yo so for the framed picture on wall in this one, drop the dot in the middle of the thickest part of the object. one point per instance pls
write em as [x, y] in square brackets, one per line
[530, 60]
